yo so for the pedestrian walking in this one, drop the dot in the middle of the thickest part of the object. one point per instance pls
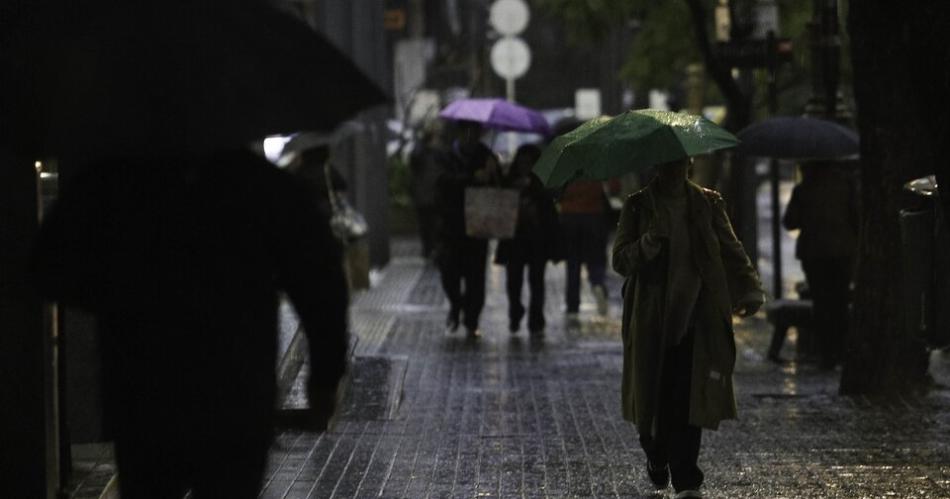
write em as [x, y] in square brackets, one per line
[462, 259]
[824, 208]
[535, 241]
[686, 273]
[424, 167]
[181, 259]
[583, 219]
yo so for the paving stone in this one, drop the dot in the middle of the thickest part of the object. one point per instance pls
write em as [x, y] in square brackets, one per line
[513, 416]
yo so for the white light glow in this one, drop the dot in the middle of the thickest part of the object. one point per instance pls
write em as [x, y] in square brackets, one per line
[273, 146]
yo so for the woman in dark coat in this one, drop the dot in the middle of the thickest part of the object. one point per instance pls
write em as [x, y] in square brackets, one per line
[824, 208]
[533, 244]
[686, 274]
[462, 259]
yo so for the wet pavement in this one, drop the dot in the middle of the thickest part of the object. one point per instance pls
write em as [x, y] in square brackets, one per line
[508, 416]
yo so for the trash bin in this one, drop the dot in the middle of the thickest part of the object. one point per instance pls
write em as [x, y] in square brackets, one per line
[926, 271]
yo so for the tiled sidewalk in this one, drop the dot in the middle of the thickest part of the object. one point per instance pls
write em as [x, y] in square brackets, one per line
[506, 416]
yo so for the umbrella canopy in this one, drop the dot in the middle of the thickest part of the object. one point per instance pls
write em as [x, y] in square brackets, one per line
[606, 147]
[92, 78]
[497, 114]
[796, 137]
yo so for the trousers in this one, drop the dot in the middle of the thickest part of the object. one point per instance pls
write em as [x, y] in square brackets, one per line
[462, 263]
[676, 442]
[514, 283]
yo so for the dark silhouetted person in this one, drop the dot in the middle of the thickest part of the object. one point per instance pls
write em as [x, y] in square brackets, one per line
[535, 241]
[686, 273]
[584, 231]
[424, 167]
[182, 261]
[462, 259]
[824, 207]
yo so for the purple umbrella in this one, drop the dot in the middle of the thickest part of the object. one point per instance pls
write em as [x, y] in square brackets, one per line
[497, 114]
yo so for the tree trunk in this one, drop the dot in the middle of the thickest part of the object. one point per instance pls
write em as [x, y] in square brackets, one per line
[881, 356]
[738, 103]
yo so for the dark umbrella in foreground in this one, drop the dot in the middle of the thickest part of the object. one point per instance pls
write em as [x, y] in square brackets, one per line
[497, 114]
[795, 137]
[87, 79]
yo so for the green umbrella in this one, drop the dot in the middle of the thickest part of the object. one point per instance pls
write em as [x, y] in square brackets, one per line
[605, 147]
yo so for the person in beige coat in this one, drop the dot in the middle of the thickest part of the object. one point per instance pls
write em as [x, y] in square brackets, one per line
[686, 275]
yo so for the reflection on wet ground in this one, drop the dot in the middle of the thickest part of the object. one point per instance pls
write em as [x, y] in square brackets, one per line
[514, 416]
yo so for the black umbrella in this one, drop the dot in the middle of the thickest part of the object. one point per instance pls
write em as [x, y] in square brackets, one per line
[91, 78]
[792, 137]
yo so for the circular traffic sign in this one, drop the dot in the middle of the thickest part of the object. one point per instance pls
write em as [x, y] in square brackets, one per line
[509, 17]
[510, 57]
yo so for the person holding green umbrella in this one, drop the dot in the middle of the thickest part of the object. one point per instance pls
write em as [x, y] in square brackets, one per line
[686, 274]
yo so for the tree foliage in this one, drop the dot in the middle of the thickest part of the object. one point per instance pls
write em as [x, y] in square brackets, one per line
[666, 39]
[589, 20]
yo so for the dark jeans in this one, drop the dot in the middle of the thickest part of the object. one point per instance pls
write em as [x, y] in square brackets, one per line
[676, 441]
[596, 274]
[514, 281]
[427, 218]
[462, 264]
[829, 280]
[585, 243]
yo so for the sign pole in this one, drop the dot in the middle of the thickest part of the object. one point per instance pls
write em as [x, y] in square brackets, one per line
[774, 174]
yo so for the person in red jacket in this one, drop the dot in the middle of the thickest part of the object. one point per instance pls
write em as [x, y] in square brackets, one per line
[584, 241]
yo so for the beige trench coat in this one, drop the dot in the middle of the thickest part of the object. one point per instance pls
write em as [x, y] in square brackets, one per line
[727, 276]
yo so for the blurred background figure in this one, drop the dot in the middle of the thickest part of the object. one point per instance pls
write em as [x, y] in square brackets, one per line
[424, 169]
[584, 210]
[824, 207]
[462, 259]
[535, 241]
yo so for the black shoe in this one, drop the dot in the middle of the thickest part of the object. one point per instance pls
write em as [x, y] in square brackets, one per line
[452, 321]
[514, 319]
[689, 494]
[536, 326]
[473, 332]
[659, 475]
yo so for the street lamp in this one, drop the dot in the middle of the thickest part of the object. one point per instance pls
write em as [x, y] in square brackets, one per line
[766, 27]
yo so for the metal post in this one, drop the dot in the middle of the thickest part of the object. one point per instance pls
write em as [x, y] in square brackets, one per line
[510, 89]
[775, 178]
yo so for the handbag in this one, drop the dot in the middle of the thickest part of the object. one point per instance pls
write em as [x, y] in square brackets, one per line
[491, 212]
[347, 224]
